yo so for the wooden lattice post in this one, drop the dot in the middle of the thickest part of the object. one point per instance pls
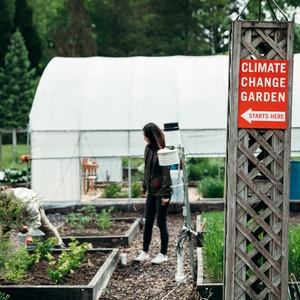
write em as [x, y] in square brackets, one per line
[258, 160]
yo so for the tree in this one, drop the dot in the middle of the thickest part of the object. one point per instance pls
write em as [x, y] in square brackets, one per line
[48, 17]
[17, 85]
[117, 27]
[172, 27]
[214, 21]
[5, 29]
[23, 21]
[75, 39]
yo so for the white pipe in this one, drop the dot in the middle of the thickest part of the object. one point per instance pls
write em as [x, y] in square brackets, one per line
[180, 259]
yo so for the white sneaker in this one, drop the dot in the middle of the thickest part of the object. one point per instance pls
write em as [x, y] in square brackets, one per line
[142, 257]
[160, 258]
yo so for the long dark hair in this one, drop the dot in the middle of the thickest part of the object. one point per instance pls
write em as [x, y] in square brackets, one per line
[155, 135]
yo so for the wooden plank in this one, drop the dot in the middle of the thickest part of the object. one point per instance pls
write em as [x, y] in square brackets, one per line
[230, 207]
[259, 273]
[275, 47]
[264, 25]
[90, 291]
[251, 49]
[246, 191]
[260, 221]
[110, 240]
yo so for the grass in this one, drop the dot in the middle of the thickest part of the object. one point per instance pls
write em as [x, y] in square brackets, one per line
[7, 157]
[294, 250]
[213, 246]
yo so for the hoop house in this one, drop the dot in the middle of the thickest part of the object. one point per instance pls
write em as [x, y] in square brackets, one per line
[95, 108]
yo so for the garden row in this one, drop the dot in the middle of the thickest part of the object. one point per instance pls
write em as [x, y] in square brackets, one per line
[211, 258]
[43, 272]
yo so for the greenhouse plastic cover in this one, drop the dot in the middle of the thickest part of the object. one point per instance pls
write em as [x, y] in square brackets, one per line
[96, 107]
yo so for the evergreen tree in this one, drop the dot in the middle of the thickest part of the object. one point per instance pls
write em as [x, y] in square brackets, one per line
[17, 85]
[5, 29]
[23, 20]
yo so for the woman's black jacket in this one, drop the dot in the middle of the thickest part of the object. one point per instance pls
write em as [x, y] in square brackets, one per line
[157, 179]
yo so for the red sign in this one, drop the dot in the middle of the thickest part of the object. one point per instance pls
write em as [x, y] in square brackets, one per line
[263, 94]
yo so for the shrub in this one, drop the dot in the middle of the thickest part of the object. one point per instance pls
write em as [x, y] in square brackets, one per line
[210, 187]
[112, 190]
[13, 175]
[135, 190]
[199, 168]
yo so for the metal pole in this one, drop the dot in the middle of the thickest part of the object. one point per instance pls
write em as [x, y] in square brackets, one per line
[188, 213]
[14, 142]
[129, 178]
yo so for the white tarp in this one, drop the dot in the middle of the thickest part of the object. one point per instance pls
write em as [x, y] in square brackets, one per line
[96, 107]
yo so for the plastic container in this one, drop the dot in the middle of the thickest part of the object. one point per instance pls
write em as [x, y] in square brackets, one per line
[177, 186]
[295, 180]
[172, 134]
[38, 234]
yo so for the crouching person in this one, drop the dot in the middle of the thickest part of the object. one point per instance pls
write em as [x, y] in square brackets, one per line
[21, 208]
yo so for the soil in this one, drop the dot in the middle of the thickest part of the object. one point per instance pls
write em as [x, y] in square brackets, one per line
[89, 267]
[118, 227]
[147, 281]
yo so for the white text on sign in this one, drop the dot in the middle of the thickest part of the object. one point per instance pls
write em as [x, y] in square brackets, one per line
[269, 116]
[263, 93]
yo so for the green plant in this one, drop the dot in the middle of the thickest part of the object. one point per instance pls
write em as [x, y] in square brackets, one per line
[294, 250]
[139, 176]
[210, 187]
[41, 250]
[89, 210]
[112, 190]
[16, 265]
[10, 210]
[213, 244]
[13, 175]
[79, 220]
[104, 218]
[6, 249]
[4, 296]
[135, 189]
[75, 220]
[68, 261]
[134, 162]
[199, 168]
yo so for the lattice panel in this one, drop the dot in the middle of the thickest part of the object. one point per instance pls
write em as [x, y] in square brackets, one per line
[264, 43]
[257, 180]
[259, 213]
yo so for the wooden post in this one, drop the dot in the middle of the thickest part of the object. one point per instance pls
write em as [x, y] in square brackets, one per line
[14, 142]
[0, 150]
[257, 169]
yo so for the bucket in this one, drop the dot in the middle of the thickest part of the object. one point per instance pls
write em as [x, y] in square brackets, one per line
[295, 180]
[177, 186]
[38, 234]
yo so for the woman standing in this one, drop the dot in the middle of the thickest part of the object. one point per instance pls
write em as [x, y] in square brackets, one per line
[157, 187]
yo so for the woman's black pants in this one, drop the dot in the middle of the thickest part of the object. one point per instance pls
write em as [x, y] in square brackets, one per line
[154, 208]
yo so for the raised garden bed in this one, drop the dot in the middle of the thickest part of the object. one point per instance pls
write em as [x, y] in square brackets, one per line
[102, 264]
[206, 289]
[214, 291]
[121, 233]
